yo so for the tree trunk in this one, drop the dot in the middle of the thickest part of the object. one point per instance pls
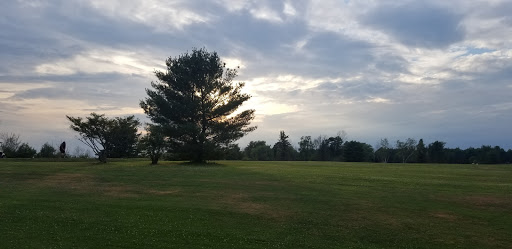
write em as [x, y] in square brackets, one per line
[102, 156]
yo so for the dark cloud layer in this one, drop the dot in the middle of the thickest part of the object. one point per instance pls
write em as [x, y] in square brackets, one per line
[418, 24]
[332, 50]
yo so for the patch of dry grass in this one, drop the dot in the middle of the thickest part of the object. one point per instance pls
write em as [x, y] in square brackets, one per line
[85, 183]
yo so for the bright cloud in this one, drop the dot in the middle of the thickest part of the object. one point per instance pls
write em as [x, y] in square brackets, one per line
[161, 15]
[100, 61]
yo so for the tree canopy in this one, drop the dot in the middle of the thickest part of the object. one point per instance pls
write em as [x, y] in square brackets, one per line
[258, 150]
[47, 151]
[306, 148]
[154, 143]
[195, 102]
[283, 148]
[107, 137]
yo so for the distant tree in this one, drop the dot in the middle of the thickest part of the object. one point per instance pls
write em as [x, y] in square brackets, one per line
[25, 151]
[106, 135]
[47, 151]
[282, 149]
[508, 156]
[354, 151]
[233, 152]
[124, 137]
[491, 155]
[321, 144]
[436, 151]
[383, 150]
[306, 148]
[154, 143]
[405, 149]
[336, 148]
[195, 101]
[258, 151]
[10, 143]
[471, 155]
[421, 152]
[329, 149]
[455, 156]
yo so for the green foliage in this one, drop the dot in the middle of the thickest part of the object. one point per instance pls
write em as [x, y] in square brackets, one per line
[25, 151]
[405, 149]
[383, 150]
[354, 151]
[336, 148]
[47, 151]
[283, 150]
[491, 155]
[123, 136]
[11, 146]
[322, 149]
[107, 137]
[233, 152]
[195, 101]
[325, 149]
[154, 143]
[306, 148]
[421, 152]
[436, 151]
[259, 151]
[329, 149]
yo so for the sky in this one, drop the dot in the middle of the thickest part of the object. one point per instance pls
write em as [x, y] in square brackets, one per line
[437, 70]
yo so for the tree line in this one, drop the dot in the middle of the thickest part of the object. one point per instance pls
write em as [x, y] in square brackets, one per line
[337, 148]
[193, 108]
[123, 140]
[11, 146]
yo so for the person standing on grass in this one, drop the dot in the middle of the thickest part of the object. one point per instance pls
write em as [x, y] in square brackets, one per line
[62, 149]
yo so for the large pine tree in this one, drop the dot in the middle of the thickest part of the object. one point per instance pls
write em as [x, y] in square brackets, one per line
[195, 102]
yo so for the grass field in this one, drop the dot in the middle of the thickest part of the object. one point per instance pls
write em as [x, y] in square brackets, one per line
[130, 204]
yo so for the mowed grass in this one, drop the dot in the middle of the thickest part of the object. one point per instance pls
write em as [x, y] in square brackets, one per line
[236, 204]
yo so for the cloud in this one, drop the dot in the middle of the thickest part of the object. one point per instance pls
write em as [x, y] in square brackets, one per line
[487, 24]
[339, 52]
[484, 63]
[417, 24]
[269, 11]
[162, 16]
[101, 61]
[266, 14]
[289, 10]
[436, 70]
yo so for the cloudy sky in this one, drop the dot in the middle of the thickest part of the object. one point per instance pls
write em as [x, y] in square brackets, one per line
[437, 70]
